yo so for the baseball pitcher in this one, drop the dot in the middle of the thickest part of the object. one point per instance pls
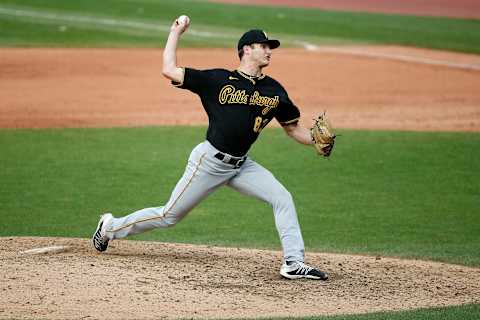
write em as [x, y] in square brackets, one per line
[239, 104]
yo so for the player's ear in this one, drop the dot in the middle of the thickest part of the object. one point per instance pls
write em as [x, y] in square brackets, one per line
[240, 54]
[248, 48]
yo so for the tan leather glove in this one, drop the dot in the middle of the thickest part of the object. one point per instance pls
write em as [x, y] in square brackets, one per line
[323, 136]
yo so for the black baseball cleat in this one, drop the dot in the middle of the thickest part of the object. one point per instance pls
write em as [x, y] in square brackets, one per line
[298, 270]
[100, 239]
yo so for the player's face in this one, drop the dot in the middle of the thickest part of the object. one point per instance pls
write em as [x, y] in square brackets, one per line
[261, 54]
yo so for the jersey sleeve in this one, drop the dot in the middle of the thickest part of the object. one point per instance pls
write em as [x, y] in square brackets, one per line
[193, 80]
[287, 113]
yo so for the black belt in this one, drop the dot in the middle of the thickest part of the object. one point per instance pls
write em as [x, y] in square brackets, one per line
[234, 161]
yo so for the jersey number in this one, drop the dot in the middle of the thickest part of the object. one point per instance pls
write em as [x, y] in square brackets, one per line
[259, 124]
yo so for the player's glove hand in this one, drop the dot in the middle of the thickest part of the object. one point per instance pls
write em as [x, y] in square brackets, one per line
[323, 136]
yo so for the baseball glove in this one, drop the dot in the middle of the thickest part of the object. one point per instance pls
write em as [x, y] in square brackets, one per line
[323, 136]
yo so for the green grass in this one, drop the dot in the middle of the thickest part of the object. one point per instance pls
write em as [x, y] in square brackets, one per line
[466, 312]
[223, 24]
[407, 194]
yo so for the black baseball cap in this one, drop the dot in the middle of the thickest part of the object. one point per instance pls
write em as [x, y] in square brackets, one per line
[256, 36]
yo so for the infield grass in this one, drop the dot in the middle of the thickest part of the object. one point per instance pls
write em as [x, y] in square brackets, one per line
[465, 312]
[113, 23]
[407, 194]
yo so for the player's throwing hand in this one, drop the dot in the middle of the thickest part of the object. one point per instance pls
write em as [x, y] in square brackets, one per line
[180, 24]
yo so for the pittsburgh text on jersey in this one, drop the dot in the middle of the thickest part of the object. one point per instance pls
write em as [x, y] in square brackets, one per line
[231, 95]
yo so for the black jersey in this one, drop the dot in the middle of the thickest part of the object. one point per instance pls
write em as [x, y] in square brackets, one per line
[238, 106]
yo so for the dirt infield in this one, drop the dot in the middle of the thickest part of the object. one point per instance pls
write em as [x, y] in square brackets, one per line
[446, 8]
[387, 88]
[145, 280]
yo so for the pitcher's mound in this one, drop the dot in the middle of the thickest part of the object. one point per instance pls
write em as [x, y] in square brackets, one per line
[151, 280]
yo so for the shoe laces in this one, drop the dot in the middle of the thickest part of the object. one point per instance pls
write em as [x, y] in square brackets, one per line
[303, 268]
[101, 237]
[97, 241]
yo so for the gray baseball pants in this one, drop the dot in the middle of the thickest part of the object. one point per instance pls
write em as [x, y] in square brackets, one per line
[203, 175]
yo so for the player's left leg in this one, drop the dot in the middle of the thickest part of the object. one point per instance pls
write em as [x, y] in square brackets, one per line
[254, 180]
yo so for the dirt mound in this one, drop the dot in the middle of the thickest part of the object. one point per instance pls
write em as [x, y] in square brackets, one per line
[147, 280]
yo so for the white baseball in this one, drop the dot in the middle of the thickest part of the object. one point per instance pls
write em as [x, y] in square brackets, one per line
[183, 20]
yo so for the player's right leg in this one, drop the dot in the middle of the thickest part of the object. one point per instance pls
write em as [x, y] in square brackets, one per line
[201, 177]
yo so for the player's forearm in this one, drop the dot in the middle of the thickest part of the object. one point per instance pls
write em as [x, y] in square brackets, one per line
[298, 133]
[170, 69]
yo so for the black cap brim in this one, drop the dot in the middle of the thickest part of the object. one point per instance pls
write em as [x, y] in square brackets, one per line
[256, 36]
[273, 43]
